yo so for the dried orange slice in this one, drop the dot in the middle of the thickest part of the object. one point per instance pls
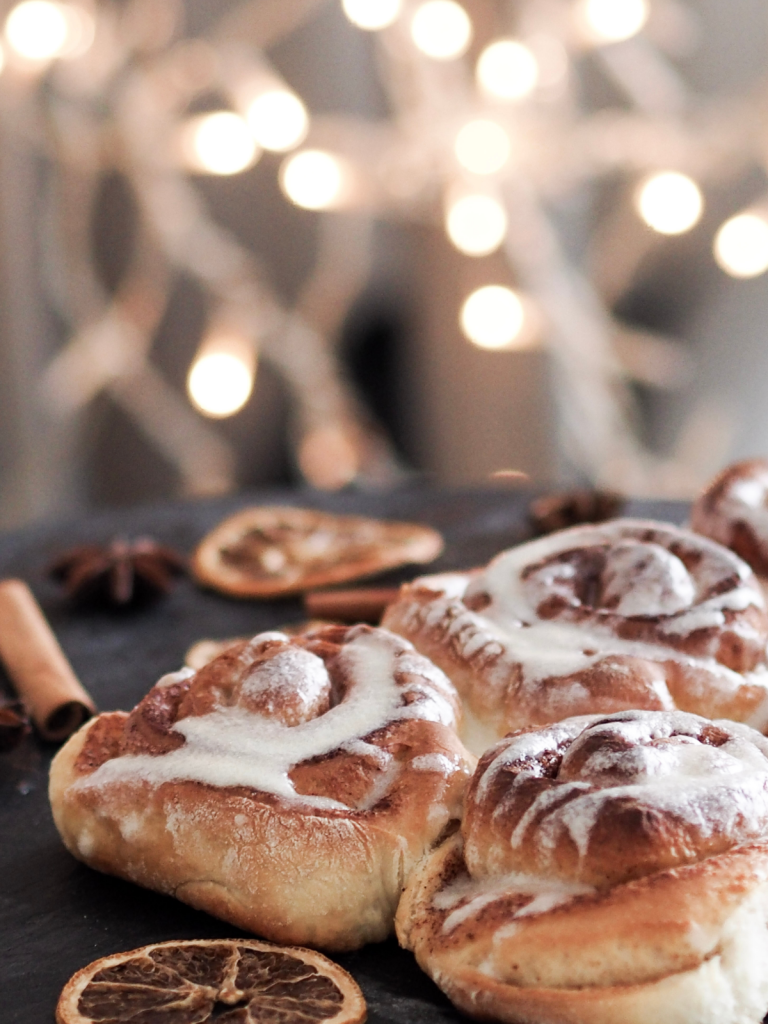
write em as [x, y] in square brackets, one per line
[230, 981]
[274, 550]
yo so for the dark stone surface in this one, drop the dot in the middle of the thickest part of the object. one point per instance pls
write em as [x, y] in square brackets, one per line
[57, 915]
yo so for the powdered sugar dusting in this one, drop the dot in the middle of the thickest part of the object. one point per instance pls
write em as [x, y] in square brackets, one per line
[656, 762]
[231, 746]
[747, 500]
[175, 677]
[640, 577]
[433, 763]
[536, 895]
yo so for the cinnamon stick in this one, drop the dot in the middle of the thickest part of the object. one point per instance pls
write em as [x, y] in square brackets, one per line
[37, 666]
[358, 604]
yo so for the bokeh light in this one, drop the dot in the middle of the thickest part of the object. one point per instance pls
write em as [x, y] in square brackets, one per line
[441, 29]
[669, 202]
[507, 70]
[741, 245]
[37, 30]
[372, 15]
[278, 120]
[476, 224]
[219, 383]
[219, 143]
[313, 179]
[482, 147]
[492, 317]
[613, 20]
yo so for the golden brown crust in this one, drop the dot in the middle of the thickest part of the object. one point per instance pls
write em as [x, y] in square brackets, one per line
[274, 550]
[546, 937]
[319, 855]
[595, 619]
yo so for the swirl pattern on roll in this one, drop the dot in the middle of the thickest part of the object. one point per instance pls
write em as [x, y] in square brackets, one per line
[608, 868]
[301, 778]
[627, 614]
[733, 510]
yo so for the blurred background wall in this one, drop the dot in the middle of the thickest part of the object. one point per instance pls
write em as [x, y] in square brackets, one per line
[600, 164]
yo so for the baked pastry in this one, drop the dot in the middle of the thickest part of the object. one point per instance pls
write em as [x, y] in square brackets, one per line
[733, 510]
[626, 614]
[609, 868]
[288, 787]
[273, 550]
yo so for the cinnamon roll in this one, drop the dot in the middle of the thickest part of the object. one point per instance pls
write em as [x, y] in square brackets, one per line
[733, 510]
[626, 614]
[609, 868]
[289, 786]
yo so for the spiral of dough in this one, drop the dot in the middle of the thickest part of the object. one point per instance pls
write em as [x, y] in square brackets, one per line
[604, 801]
[626, 614]
[608, 868]
[733, 510]
[288, 786]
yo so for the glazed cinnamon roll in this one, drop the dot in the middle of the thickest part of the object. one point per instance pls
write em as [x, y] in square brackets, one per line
[609, 868]
[288, 787]
[734, 511]
[627, 614]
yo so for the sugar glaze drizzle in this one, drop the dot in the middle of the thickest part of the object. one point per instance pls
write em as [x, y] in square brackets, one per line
[233, 747]
[644, 579]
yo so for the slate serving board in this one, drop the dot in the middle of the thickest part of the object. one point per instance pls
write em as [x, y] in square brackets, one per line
[57, 915]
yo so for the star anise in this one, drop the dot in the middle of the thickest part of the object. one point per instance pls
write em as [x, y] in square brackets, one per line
[14, 723]
[123, 572]
[571, 508]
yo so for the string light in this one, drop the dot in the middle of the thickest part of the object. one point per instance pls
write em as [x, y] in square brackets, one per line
[551, 60]
[218, 143]
[221, 378]
[507, 70]
[372, 15]
[669, 202]
[313, 179]
[610, 21]
[476, 224]
[81, 30]
[441, 29]
[278, 120]
[741, 245]
[482, 147]
[39, 30]
[492, 317]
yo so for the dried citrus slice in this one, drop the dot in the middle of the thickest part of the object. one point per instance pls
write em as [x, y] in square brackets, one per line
[230, 981]
[274, 550]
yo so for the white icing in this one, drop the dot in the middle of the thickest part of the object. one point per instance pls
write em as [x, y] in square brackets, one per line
[233, 747]
[539, 895]
[641, 578]
[745, 500]
[175, 677]
[433, 763]
[653, 761]
[360, 748]
[452, 584]
[657, 579]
